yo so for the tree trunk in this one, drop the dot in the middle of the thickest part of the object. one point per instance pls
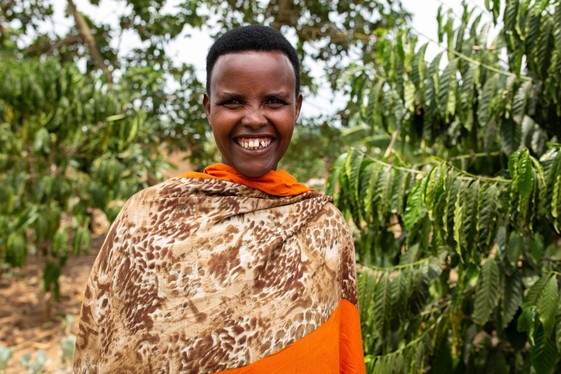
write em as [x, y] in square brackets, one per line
[89, 40]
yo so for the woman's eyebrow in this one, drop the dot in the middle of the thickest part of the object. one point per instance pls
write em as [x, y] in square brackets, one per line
[281, 94]
[228, 95]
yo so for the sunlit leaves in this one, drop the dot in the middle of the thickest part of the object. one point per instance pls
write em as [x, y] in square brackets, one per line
[74, 145]
[520, 168]
[471, 100]
[480, 147]
[396, 294]
[378, 190]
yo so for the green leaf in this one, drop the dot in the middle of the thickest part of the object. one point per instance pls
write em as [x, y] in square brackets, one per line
[510, 16]
[368, 183]
[488, 215]
[384, 192]
[544, 353]
[519, 102]
[487, 95]
[334, 175]
[527, 322]
[452, 187]
[447, 90]
[353, 167]
[399, 188]
[399, 293]
[382, 305]
[513, 249]
[409, 94]
[536, 290]
[458, 214]
[496, 10]
[547, 305]
[556, 198]
[372, 114]
[115, 117]
[419, 279]
[15, 249]
[433, 189]
[510, 136]
[487, 292]
[525, 173]
[440, 29]
[418, 70]
[467, 98]
[51, 277]
[42, 142]
[512, 297]
[60, 244]
[415, 208]
[471, 224]
[545, 46]
[366, 284]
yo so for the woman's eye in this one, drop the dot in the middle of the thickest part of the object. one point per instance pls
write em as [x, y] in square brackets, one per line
[274, 102]
[232, 103]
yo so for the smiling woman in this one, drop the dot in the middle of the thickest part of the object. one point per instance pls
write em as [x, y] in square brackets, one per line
[240, 268]
[252, 108]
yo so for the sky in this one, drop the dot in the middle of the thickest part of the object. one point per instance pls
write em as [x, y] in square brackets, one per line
[192, 47]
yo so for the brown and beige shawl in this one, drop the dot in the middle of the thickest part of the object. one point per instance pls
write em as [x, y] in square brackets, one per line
[205, 275]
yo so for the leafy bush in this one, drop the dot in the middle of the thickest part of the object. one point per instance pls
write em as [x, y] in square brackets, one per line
[69, 144]
[458, 223]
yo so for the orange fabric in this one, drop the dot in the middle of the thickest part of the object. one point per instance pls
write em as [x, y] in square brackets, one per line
[334, 347]
[277, 183]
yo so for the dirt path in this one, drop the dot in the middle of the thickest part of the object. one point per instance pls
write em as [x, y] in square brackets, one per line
[25, 324]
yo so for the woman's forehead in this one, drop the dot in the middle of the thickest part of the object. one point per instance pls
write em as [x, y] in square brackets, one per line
[252, 59]
[275, 65]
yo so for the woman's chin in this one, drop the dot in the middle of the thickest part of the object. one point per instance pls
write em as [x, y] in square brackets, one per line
[254, 168]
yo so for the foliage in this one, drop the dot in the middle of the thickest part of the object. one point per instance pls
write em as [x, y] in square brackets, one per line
[77, 140]
[458, 224]
[326, 31]
[69, 145]
[170, 90]
[313, 149]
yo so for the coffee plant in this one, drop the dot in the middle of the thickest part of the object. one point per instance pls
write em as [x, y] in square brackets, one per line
[454, 192]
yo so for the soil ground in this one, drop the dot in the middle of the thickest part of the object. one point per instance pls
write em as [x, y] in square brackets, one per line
[28, 325]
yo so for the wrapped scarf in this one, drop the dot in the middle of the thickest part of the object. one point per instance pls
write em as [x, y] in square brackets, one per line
[217, 272]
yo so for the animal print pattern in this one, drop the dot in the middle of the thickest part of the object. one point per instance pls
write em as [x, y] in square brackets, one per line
[204, 275]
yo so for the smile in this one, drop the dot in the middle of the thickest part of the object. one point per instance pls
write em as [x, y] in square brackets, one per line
[254, 144]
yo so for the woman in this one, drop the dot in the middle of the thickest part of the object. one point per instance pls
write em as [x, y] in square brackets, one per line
[239, 268]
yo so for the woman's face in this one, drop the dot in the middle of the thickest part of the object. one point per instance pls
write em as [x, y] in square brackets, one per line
[252, 109]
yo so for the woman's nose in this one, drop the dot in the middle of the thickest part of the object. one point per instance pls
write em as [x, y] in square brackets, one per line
[254, 117]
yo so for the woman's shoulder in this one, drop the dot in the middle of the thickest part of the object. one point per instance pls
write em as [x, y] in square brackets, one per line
[170, 188]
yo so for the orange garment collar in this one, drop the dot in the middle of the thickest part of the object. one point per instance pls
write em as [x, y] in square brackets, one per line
[277, 183]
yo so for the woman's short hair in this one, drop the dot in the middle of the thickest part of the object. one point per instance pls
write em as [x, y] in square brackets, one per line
[252, 38]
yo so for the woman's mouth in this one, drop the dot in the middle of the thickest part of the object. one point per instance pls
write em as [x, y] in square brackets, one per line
[254, 144]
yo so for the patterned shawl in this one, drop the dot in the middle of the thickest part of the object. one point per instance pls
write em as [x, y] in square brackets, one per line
[203, 275]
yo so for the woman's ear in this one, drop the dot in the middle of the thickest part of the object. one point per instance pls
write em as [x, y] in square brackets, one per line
[298, 105]
[206, 105]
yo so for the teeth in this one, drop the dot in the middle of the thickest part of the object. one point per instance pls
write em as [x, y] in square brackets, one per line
[254, 144]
